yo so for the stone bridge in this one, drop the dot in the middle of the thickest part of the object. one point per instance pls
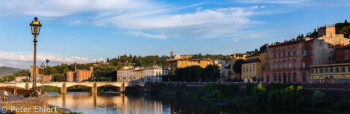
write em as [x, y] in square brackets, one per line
[64, 85]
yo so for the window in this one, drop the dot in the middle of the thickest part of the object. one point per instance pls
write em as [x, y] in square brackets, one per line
[289, 65]
[312, 71]
[326, 70]
[303, 64]
[320, 43]
[274, 55]
[331, 70]
[346, 57]
[279, 55]
[336, 69]
[275, 66]
[348, 69]
[316, 70]
[342, 69]
[288, 53]
[321, 70]
[243, 69]
[253, 69]
[293, 53]
[346, 51]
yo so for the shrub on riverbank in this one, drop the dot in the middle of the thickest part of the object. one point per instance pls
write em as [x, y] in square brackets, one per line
[274, 94]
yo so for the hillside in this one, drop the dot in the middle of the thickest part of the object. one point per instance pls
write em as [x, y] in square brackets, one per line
[8, 70]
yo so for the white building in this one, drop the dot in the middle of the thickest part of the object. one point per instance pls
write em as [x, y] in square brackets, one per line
[140, 74]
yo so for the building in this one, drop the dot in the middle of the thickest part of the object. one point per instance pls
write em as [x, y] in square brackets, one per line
[289, 61]
[79, 75]
[46, 78]
[155, 74]
[221, 64]
[182, 63]
[126, 74]
[140, 74]
[252, 69]
[342, 53]
[22, 78]
[178, 56]
[330, 73]
[234, 57]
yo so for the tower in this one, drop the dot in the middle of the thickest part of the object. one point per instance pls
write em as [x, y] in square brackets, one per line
[171, 54]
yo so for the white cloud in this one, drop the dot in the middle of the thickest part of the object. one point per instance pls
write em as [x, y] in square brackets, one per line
[274, 1]
[153, 36]
[25, 59]
[159, 18]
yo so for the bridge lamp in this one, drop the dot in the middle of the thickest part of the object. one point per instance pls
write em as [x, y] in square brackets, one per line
[35, 28]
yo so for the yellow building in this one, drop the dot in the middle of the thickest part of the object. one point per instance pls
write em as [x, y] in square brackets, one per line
[330, 73]
[182, 63]
[252, 70]
[231, 74]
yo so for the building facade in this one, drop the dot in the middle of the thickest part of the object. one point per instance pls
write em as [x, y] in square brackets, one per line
[79, 75]
[289, 61]
[182, 63]
[330, 73]
[234, 57]
[342, 54]
[140, 74]
[253, 68]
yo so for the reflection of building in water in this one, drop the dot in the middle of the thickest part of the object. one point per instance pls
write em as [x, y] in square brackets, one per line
[92, 103]
[141, 74]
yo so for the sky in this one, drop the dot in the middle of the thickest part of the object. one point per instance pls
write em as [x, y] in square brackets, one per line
[85, 31]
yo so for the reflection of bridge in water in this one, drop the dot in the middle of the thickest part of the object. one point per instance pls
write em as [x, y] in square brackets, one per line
[79, 101]
[64, 85]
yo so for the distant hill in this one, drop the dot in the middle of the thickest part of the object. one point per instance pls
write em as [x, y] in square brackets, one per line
[8, 70]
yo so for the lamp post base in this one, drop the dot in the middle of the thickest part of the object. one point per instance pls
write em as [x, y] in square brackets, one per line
[34, 93]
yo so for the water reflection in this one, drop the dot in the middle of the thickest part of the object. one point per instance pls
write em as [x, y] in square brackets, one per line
[106, 103]
[145, 104]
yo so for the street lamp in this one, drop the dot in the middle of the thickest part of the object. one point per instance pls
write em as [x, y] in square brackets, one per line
[35, 27]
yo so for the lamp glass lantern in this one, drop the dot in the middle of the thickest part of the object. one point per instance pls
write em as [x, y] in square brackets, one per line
[35, 26]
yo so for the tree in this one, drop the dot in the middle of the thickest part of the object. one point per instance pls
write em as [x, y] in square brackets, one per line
[210, 73]
[10, 77]
[58, 78]
[190, 73]
[237, 66]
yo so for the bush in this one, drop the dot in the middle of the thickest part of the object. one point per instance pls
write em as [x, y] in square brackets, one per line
[249, 88]
[318, 98]
[229, 90]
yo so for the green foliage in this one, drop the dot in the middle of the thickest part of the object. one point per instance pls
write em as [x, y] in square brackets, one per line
[195, 73]
[342, 105]
[22, 73]
[191, 73]
[200, 56]
[229, 90]
[237, 66]
[10, 77]
[58, 77]
[249, 88]
[210, 73]
[343, 28]
[318, 98]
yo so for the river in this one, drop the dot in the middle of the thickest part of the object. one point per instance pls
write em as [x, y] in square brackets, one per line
[118, 103]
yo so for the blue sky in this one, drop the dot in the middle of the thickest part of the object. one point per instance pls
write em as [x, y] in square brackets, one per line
[91, 30]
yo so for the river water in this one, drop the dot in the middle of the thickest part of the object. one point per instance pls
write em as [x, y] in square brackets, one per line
[118, 103]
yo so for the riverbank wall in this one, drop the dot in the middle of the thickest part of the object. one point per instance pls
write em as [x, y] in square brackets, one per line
[314, 96]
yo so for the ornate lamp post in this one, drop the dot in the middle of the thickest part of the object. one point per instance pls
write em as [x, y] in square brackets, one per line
[35, 27]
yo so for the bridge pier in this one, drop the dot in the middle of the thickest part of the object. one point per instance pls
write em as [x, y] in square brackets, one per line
[26, 86]
[122, 87]
[63, 88]
[94, 89]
